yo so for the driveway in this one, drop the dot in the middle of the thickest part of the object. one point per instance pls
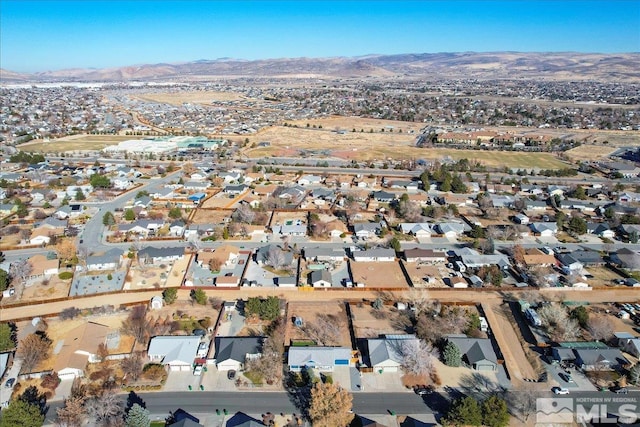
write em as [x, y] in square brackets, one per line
[386, 382]
[63, 390]
[232, 323]
[180, 381]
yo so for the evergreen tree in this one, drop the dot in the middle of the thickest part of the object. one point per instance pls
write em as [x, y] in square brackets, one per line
[138, 417]
[108, 219]
[464, 411]
[452, 355]
[21, 413]
[494, 412]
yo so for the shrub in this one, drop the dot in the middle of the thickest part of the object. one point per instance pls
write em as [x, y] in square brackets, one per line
[65, 275]
[154, 371]
[50, 381]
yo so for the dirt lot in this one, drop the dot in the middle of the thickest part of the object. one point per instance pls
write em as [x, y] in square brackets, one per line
[76, 143]
[199, 97]
[210, 216]
[309, 312]
[155, 277]
[602, 276]
[282, 217]
[221, 200]
[55, 289]
[418, 272]
[378, 274]
[386, 321]
[287, 141]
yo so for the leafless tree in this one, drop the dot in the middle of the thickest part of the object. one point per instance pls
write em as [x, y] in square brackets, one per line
[432, 327]
[410, 211]
[522, 402]
[20, 269]
[106, 410]
[244, 214]
[33, 349]
[325, 330]
[600, 327]
[419, 300]
[137, 324]
[417, 356]
[132, 366]
[275, 257]
[557, 323]
[72, 414]
[286, 240]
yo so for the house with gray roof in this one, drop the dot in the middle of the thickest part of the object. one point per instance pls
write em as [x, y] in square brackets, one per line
[110, 260]
[375, 255]
[233, 352]
[544, 229]
[320, 278]
[315, 357]
[477, 353]
[151, 255]
[176, 352]
[384, 354]
[262, 254]
[366, 230]
[324, 254]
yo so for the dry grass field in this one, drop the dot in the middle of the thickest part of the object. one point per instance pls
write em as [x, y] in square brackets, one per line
[75, 143]
[378, 274]
[293, 142]
[198, 97]
[370, 323]
[309, 312]
[349, 123]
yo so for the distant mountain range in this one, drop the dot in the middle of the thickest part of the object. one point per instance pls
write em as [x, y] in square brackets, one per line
[495, 65]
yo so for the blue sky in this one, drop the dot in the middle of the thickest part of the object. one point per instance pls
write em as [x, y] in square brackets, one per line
[50, 35]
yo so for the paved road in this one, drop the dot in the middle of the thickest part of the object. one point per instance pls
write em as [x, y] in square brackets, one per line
[197, 402]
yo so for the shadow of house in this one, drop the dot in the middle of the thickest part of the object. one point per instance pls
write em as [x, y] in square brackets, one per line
[240, 419]
[181, 418]
[361, 421]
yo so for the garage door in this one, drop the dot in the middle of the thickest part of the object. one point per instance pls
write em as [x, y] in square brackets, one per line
[487, 367]
[390, 369]
[67, 376]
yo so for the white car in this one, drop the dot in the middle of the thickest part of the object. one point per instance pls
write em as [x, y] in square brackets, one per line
[197, 370]
[560, 390]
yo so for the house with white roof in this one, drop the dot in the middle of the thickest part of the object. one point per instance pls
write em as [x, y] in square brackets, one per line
[175, 352]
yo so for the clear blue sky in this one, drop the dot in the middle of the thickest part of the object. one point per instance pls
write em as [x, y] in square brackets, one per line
[50, 35]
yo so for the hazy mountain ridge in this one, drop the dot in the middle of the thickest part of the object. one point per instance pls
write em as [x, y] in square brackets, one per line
[491, 65]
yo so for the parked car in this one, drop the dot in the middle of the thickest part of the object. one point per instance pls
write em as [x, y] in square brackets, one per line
[231, 374]
[560, 390]
[10, 382]
[197, 370]
[620, 390]
[199, 332]
[422, 391]
[567, 377]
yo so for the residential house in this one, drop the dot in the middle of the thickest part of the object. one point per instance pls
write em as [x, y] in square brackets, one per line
[286, 282]
[176, 228]
[600, 229]
[521, 219]
[262, 255]
[199, 186]
[544, 229]
[451, 230]
[588, 257]
[375, 255]
[77, 348]
[384, 354]
[420, 230]
[477, 353]
[627, 258]
[43, 267]
[535, 257]
[291, 228]
[110, 260]
[569, 263]
[235, 189]
[320, 278]
[305, 180]
[424, 255]
[40, 236]
[383, 196]
[597, 359]
[324, 254]
[175, 352]
[233, 352]
[336, 228]
[8, 208]
[227, 281]
[324, 359]
[366, 230]
[151, 255]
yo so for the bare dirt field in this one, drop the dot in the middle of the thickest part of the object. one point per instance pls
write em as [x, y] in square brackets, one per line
[76, 143]
[56, 288]
[378, 274]
[309, 312]
[418, 272]
[210, 216]
[361, 123]
[287, 141]
[602, 276]
[197, 97]
[370, 323]
[152, 277]
[590, 152]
